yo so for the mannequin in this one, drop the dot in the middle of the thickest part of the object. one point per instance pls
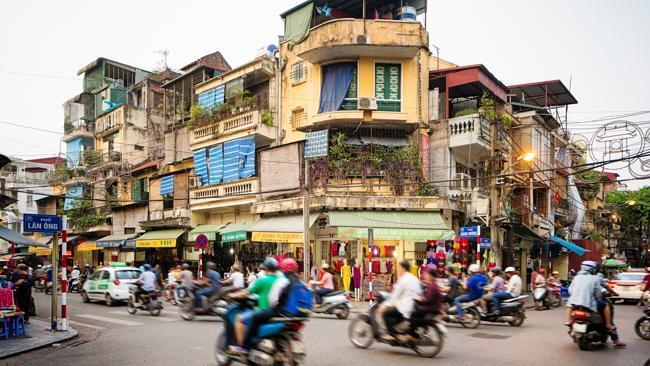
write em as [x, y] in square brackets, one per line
[346, 275]
[342, 249]
[356, 272]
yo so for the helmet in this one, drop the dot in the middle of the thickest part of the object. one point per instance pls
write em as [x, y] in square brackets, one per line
[39, 266]
[510, 269]
[555, 273]
[589, 266]
[542, 271]
[147, 267]
[474, 268]
[496, 270]
[270, 263]
[289, 265]
[75, 267]
[186, 266]
[451, 268]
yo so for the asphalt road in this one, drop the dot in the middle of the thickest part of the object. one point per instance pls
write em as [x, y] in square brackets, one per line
[110, 336]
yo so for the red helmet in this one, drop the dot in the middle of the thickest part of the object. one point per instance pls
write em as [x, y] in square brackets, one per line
[542, 271]
[289, 265]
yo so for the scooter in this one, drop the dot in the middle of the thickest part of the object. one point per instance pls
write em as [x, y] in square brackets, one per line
[277, 343]
[471, 314]
[75, 285]
[588, 329]
[335, 303]
[428, 342]
[150, 302]
[40, 284]
[642, 326]
[217, 306]
[546, 298]
[511, 312]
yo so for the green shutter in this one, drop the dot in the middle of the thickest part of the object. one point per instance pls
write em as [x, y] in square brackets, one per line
[388, 87]
[351, 98]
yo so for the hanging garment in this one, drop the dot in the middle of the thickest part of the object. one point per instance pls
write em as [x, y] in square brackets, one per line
[375, 267]
[414, 270]
[334, 249]
[356, 276]
[390, 250]
[389, 266]
[382, 267]
[342, 250]
[346, 274]
[339, 264]
[431, 256]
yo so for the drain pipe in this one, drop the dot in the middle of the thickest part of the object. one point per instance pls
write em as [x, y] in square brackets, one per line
[278, 94]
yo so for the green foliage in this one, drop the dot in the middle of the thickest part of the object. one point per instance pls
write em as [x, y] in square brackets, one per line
[267, 118]
[83, 215]
[196, 112]
[632, 216]
[590, 186]
[68, 126]
[465, 112]
[61, 173]
[505, 119]
[92, 158]
[488, 106]
[594, 235]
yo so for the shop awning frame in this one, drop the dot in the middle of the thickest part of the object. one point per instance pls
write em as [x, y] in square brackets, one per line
[210, 231]
[114, 241]
[569, 245]
[18, 239]
[281, 229]
[159, 238]
[236, 231]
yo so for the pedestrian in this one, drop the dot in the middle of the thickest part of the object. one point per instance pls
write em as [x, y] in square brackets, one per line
[236, 278]
[158, 272]
[22, 289]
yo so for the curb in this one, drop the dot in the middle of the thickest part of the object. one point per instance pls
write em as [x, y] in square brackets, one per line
[33, 343]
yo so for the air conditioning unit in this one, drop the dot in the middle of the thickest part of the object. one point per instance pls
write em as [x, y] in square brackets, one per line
[195, 181]
[363, 39]
[368, 103]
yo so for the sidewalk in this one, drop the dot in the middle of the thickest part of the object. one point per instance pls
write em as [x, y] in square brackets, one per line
[38, 335]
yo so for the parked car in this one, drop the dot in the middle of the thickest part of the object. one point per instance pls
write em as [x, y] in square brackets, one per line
[110, 284]
[629, 285]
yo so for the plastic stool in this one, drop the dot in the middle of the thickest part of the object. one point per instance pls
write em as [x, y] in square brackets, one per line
[18, 326]
[6, 329]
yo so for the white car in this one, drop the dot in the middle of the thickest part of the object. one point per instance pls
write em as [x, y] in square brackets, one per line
[629, 285]
[110, 284]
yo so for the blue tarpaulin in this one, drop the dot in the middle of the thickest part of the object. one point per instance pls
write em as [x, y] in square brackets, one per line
[336, 82]
[167, 185]
[231, 160]
[212, 97]
[246, 157]
[569, 245]
[200, 165]
[73, 151]
[215, 164]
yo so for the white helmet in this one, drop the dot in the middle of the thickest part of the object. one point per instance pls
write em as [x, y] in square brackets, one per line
[474, 268]
[510, 269]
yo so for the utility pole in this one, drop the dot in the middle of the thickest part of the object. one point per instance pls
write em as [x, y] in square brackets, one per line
[305, 216]
[494, 197]
[55, 278]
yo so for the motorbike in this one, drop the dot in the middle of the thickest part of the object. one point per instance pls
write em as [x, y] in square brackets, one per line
[149, 302]
[277, 343]
[511, 312]
[170, 293]
[335, 303]
[588, 329]
[429, 341]
[217, 306]
[75, 285]
[547, 297]
[642, 326]
[40, 284]
[471, 317]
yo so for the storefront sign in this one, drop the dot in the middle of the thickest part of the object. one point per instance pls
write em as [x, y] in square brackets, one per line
[86, 247]
[49, 224]
[273, 237]
[470, 231]
[129, 244]
[40, 251]
[234, 236]
[157, 243]
[109, 243]
[395, 234]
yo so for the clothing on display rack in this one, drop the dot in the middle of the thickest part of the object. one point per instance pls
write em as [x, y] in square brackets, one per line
[389, 266]
[346, 275]
[356, 276]
[342, 252]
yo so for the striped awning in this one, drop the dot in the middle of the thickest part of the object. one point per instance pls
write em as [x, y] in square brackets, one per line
[209, 230]
[281, 229]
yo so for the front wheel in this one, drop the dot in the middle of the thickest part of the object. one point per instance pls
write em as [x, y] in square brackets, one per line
[220, 348]
[154, 307]
[343, 313]
[471, 319]
[109, 300]
[130, 307]
[642, 328]
[518, 319]
[429, 342]
[186, 312]
[361, 334]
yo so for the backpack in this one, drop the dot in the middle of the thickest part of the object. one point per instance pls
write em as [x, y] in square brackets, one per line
[297, 300]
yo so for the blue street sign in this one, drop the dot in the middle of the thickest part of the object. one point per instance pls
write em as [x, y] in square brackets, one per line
[486, 243]
[470, 231]
[201, 241]
[48, 224]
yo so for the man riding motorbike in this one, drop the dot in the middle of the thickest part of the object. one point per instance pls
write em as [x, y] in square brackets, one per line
[513, 289]
[325, 283]
[146, 282]
[74, 276]
[429, 303]
[451, 290]
[400, 304]
[496, 288]
[209, 284]
[474, 285]
[585, 290]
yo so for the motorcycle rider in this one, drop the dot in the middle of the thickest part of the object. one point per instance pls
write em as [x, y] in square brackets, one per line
[451, 290]
[475, 284]
[74, 276]
[429, 303]
[236, 278]
[401, 302]
[87, 272]
[209, 284]
[146, 282]
[325, 283]
[39, 272]
[186, 277]
[584, 291]
[496, 288]
[513, 289]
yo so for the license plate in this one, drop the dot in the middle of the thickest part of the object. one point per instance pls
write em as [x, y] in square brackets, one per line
[579, 328]
[298, 347]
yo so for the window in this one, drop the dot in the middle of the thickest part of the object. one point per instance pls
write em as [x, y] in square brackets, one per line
[234, 88]
[106, 275]
[138, 147]
[298, 117]
[131, 274]
[30, 199]
[350, 103]
[129, 230]
[298, 73]
[111, 146]
[168, 201]
[388, 87]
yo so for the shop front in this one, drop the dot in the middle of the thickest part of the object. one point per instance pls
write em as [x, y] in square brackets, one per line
[235, 246]
[160, 247]
[111, 247]
[88, 253]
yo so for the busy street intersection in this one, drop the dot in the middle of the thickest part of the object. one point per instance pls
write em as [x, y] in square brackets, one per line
[110, 336]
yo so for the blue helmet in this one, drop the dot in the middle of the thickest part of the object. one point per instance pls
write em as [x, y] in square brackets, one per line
[147, 267]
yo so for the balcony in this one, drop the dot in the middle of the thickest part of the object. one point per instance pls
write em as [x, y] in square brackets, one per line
[345, 38]
[226, 194]
[470, 137]
[79, 128]
[343, 118]
[110, 122]
[176, 217]
[219, 128]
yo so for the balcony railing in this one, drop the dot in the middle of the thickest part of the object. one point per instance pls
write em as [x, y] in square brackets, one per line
[110, 121]
[351, 38]
[470, 137]
[232, 189]
[231, 125]
[79, 127]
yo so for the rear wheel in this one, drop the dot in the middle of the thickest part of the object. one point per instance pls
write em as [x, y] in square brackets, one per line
[186, 312]
[154, 307]
[130, 307]
[360, 334]
[642, 328]
[583, 344]
[471, 319]
[518, 319]
[343, 312]
[284, 355]
[220, 354]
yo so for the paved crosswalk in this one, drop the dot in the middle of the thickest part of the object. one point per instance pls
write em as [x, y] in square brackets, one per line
[121, 318]
[127, 323]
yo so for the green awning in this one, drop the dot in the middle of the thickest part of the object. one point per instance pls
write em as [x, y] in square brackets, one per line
[283, 223]
[392, 225]
[236, 231]
[209, 230]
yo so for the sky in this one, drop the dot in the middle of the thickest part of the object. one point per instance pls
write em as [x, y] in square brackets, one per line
[598, 47]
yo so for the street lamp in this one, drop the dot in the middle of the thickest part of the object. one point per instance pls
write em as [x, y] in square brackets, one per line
[528, 157]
